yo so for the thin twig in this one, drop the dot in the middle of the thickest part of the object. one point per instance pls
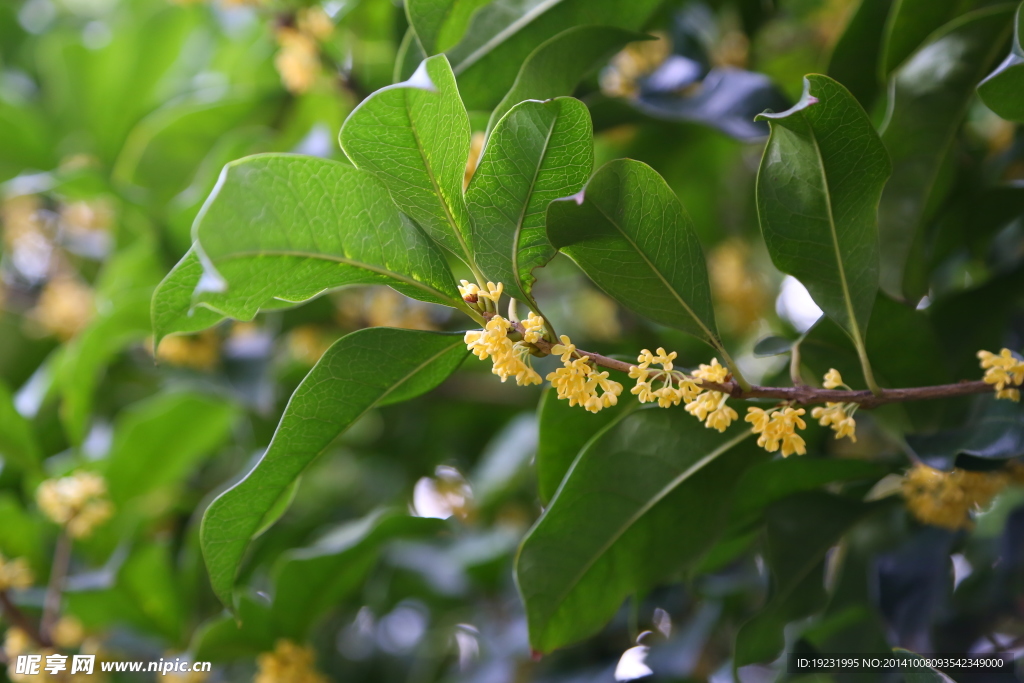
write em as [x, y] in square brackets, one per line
[55, 589]
[15, 617]
[804, 394]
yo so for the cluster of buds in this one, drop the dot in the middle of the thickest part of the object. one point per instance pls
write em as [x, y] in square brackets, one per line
[298, 60]
[1005, 372]
[288, 662]
[510, 359]
[946, 499]
[78, 502]
[578, 380]
[15, 574]
[482, 299]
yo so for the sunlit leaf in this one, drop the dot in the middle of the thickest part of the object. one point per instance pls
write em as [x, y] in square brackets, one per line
[1003, 89]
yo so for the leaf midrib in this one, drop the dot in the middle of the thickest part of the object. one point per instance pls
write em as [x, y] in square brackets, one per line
[712, 339]
[500, 37]
[526, 204]
[345, 261]
[419, 368]
[640, 512]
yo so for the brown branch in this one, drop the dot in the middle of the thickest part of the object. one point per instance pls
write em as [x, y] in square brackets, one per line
[803, 394]
[55, 589]
[15, 617]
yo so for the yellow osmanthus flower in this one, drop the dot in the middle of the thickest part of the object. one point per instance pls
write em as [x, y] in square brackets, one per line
[315, 22]
[1004, 371]
[510, 359]
[78, 502]
[833, 380]
[839, 416]
[676, 386]
[68, 632]
[470, 291]
[578, 380]
[777, 428]
[946, 499]
[65, 306]
[709, 407]
[16, 642]
[288, 663]
[15, 573]
[298, 60]
[533, 328]
[619, 78]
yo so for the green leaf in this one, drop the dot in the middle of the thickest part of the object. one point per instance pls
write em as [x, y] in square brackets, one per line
[18, 445]
[172, 309]
[630, 234]
[615, 527]
[558, 64]
[157, 442]
[563, 432]
[439, 24]
[539, 152]
[929, 97]
[227, 637]
[800, 530]
[855, 58]
[502, 35]
[995, 431]
[310, 581]
[817, 195]
[909, 24]
[410, 54]
[920, 672]
[291, 227]
[773, 346]
[414, 138]
[1003, 89]
[365, 369]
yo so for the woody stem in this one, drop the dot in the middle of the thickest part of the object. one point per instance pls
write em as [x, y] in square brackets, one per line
[804, 394]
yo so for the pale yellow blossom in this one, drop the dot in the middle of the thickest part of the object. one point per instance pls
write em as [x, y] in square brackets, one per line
[298, 60]
[777, 428]
[79, 502]
[288, 663]
[946, 499]
[533, 328]
[833, 380]
[838, 416]
[15, 573]
[1005, 372]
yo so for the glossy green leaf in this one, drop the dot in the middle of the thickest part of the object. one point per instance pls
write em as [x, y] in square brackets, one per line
[855, 58]
[629, 232]
[800, 530]
[539, 152]
[414, 138]
[995, 431]
[158, 441]
[172, 309]
[363, 370]
[291, 227]
[310, 581]
[558, 64]
[502, 35]
[929, 96]
[18, 445]
[909, 24]
[439, 24]
[564, 431]
[817, 195]
[614, 527]
[1003, 89]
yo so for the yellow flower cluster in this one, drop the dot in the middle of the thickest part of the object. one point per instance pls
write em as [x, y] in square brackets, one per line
[533, 328]
[510, 359]
[1004, 371]
[946, 499]
[709, 407]
[578, 380]
[198, 352]
[15, 574]
[288, 663]
[676, 387]
[298, 60]
[78, 502]
[839, 416]
[472, 293]
[777, 428]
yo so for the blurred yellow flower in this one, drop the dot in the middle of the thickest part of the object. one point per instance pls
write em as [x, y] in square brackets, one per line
[64, 308]
[742, 298]
[315, 22]
[946, 499]
[199, 352]
[288, 663]
[476, 148]
[636, 60]
[15, 573]
[78, 502]
[298, 60]
[68, 632]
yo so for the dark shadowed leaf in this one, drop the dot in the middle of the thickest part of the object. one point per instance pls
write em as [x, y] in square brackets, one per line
[995, 431]
[772, 346]
[365, 369]
[613, 528]
[855, 57]
[414, 138]
[800, 530]
[1003, 89]
[309, 581]
[629, 232]
[557, 65]
[817, 195]
[439, 24]
[539, 152]
[910, 22]
[929, 96]
[911, 582]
